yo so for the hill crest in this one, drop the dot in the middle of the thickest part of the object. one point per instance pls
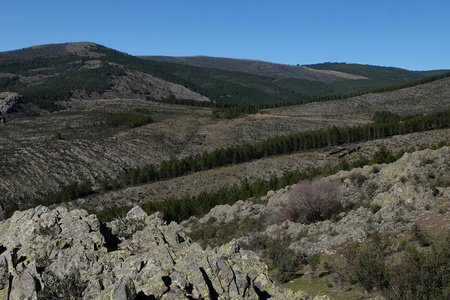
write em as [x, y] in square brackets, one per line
[256, 67]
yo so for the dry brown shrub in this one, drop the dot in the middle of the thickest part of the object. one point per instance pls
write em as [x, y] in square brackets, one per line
[311, 201]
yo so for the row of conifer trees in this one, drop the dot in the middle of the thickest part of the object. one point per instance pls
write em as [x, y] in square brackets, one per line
[180, 209]
[302, 141]
[346, 96]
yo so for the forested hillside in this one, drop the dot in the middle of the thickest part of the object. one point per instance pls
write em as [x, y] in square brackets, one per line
[50, 73]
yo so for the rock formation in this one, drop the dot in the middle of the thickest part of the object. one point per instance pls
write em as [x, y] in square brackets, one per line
[394, 197]
[7, 102]
[137, 257]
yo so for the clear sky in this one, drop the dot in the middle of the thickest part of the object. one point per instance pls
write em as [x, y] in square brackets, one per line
[410, 34]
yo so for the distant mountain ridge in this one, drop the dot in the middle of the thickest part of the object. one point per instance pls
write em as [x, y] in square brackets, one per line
[49, 50]
[257, 67]
[376, 72]
[47, 74]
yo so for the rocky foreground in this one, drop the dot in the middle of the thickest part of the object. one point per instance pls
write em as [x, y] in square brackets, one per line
[46, 252]
[138, 257]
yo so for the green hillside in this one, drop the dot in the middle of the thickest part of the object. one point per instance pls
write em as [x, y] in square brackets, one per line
[45, 74]
[376, 72]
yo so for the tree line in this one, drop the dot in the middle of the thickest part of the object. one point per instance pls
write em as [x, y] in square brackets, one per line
[180, 209]
[389, 88]
[281, 145]
[247, 108]
[71, 192]
[220, 110]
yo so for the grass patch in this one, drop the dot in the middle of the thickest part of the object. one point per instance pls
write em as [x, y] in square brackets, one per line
[322, 285]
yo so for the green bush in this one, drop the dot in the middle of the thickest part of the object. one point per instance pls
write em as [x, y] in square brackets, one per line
[71, 192]
[10, 209]
[213, 233]
[374, 208]
[423, 239]
[382, 156]
[314, 262]
[422, 274]
[358, 179]
[370, 267]
[410, 273]
[285, 260]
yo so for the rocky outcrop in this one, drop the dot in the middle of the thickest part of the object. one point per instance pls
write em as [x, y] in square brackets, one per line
[138, 257]
[7, 102]
[138, 85]
[387, 198]
[390, 199]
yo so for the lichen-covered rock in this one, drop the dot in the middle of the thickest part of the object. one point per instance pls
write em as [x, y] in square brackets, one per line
[155, 260]
[7, 102]
[387, 198]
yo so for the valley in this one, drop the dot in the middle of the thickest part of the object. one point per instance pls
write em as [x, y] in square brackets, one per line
[83, 114]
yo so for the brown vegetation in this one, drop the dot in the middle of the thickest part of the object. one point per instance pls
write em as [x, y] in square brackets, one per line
[311, 201]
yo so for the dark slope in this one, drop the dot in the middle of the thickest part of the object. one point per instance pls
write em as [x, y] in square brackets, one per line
[277, 71]
[378, 73]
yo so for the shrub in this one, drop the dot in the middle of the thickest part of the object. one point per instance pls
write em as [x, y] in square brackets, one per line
[374, 208]
[371, 188]
[285, 260]
[410, 274]
[69, 287]
[431, 175]
[422, 238]
[385, 117]
[214, 233]
[314, 262]
[358, 179]
[398, 216]
[375, 169]
[256, 242]
[382, 155]
[302, 234]
[48, 230]
[341, 265]
[10, 209]
[422, 274]
[127, 227]
[369, 266]
[312, 201]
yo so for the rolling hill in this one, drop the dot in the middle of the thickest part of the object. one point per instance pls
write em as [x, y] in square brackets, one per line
[277, 71]
[47, 74]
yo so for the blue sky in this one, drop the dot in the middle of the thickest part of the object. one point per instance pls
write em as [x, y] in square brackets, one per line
[412, 34]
